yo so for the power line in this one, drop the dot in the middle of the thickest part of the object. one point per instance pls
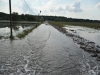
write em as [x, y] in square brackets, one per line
[28, 6]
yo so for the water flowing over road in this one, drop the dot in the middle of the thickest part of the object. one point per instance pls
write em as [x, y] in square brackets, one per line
[45, 51]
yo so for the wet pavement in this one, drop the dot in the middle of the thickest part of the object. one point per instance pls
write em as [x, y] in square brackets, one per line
[45, 51]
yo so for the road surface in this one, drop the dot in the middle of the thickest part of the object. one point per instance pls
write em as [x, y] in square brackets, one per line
[45, 51]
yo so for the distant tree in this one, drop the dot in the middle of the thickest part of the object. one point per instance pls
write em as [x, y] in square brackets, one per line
[57, 19]
[4, 16]
[29, 17]
[14, 16]
[22, 17]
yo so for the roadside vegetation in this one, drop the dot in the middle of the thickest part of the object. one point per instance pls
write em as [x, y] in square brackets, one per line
[23, 34]
[86, 24]
[26, 32]
[16, 17]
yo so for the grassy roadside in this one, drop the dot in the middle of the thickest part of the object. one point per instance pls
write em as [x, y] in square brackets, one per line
[86, 24]
[26, 32]
[21, 35]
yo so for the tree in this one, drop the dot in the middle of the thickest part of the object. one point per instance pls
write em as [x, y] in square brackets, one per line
[22, 17]
[14, 16]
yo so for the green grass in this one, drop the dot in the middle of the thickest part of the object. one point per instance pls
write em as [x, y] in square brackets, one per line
[26, 32]
[12, 38]
[86, 24]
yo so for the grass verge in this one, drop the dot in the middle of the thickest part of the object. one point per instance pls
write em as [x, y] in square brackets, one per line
[12, 38]
[26, 32]
[86, 24]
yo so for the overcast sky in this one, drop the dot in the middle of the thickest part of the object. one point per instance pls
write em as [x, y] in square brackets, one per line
[86, 9]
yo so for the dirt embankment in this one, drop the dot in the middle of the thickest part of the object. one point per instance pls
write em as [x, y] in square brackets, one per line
[84, 44]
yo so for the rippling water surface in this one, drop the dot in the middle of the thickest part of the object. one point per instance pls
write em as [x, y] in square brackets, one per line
[5, 31]
[45, 51]
[87, 33]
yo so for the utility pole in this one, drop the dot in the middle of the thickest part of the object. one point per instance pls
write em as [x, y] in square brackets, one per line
[39, 15]
[10, 18]
[38, 18]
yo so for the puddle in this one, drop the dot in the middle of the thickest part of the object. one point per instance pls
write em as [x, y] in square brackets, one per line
[87, 33]
[5, 31]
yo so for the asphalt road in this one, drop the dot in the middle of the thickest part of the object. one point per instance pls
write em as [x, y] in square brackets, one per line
[45, 51]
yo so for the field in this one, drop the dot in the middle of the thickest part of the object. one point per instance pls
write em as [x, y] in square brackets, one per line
[86, 24]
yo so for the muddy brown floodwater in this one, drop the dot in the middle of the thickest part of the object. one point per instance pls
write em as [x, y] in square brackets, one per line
[45, 51]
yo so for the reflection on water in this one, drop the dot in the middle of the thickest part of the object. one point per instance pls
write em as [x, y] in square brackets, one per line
[45, 51]
[87, 33]
[5, 31]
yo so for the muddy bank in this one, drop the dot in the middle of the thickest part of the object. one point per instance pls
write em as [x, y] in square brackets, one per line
[84, 44]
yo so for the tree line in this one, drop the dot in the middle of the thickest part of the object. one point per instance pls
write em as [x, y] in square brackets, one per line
[28, 17]
[17, 17]
[65, 19]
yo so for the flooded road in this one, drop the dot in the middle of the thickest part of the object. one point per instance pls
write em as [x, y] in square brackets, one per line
[45, 51]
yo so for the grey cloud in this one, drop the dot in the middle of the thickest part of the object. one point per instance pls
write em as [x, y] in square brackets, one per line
[60, 9]
[76, 7]
[51, 6]
[52, 10]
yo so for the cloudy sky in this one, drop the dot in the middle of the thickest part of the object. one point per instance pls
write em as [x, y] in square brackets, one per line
[86, 9]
